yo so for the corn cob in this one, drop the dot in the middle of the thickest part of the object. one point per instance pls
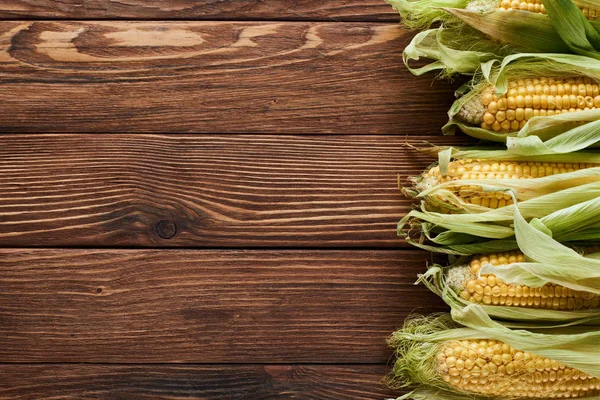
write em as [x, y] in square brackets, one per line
[481, 359]
[528, 98]
[538, 7]
[493, 368]
[491, 290]
[465, 169]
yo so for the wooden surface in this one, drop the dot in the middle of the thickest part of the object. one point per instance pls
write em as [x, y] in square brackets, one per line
[213, 77]
[205, 306]
[175, 382]
[314, 10]
[198, 198]
[205, 191]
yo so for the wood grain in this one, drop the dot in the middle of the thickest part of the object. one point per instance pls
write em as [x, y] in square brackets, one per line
[204, 191]
[326, 10]
[206, 306]
[226, 382]
[213, 77]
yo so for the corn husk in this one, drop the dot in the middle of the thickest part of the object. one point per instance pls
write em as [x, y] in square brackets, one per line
[548, 261]
[570, 215]
[564, 29]
[469, 234]
[418, 342]
[447, 48]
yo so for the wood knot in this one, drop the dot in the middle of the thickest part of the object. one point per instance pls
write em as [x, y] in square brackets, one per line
[279, 372]
[166, 229]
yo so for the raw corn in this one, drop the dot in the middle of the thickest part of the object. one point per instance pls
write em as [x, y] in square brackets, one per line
[538, 7]
[536, 104]
[489, 289]
[472, 356]
[526, 5]
[493, 368]
[453, 218]
[528, 98]
[466, 169]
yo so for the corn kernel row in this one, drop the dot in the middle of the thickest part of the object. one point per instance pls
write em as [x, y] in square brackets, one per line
[491, 290]
[494, 368]
[529, 98]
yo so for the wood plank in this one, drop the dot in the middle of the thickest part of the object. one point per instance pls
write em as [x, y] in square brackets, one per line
[213, 77]
[204, 191]
[327, 10]
[238, 306]
[252, 382]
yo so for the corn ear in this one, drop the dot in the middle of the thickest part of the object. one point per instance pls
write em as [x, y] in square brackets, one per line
[442, 281]
[428, 350]
[552, 262]
[465, 185]
[571, 215]
[539, 300]
[530, 90]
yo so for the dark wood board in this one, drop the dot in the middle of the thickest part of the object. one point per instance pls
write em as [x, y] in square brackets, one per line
[201, 382]
[314, 10]
[132, 190]
[214, 77]
[129, 306]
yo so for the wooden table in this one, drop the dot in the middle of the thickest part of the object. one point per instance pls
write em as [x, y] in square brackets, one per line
[199, 198]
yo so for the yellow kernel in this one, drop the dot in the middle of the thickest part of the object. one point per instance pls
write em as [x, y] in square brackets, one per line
[487, 98]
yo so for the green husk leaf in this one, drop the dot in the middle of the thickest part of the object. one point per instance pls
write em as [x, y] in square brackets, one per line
[572, 215]
[554, 262]
[470, 249]
[526, 31]
[518, 66]
[435, 280]
[433, 393]
[446, 46]
[573, 27]
[490, 153]
[569, 141]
